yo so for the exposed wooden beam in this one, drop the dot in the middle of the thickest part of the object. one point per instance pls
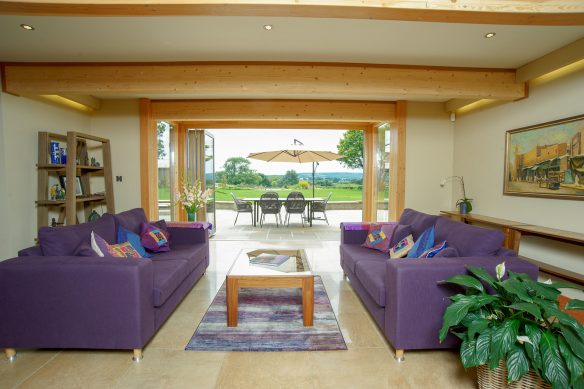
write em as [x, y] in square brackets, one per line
[273, 110]
[557, 59]
[148, 164]
[369, 174]
[514, 12]
[397, 164]
[88, 101]
[277, 125]
[230, 80]
[455, 104]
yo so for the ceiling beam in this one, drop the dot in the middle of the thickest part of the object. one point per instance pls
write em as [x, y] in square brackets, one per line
[278, 125]
[274, 111]
[557, 59]
[263, 81]
[511, 12]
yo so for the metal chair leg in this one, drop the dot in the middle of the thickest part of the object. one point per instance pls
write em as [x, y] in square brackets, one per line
[236, 218]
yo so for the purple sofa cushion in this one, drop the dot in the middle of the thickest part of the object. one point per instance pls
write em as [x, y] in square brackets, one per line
[153, 238]
[372, 277]
[351, 254]
[448, 252]
[469, 240]
[132, 220]
[418, 221]
[379, 236]
[400, 233]
[194, 254]
[84, 250]
[168, 275]
[63, 241]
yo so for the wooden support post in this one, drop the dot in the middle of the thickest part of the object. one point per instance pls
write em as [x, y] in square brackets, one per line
[232, 301]
[137, 355]
[308, 301]
[10, 354]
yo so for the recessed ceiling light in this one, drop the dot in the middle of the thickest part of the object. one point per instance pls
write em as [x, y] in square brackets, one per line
[268, 27]
[490, 34]
[27, 27]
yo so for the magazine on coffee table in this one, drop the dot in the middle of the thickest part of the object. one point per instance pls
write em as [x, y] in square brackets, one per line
[269, 259]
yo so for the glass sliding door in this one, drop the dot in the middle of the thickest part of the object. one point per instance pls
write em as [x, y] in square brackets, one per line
[209, 181]
[166, 169]
[382, 171]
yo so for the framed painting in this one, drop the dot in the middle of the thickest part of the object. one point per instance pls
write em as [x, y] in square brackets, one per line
[546, 160]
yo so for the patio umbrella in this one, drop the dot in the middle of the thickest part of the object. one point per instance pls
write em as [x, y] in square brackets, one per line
[297, 153]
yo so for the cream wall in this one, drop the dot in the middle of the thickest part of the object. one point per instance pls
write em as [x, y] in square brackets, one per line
[119, 121]
[22, 119]
[429, 157]
[479, 147]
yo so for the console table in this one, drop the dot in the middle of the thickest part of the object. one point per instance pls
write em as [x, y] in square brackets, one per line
[515, 230]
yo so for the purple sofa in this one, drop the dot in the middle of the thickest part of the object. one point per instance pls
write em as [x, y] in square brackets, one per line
[59, 295]
[404, 296]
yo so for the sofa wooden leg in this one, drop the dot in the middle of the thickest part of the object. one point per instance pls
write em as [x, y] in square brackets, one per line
[399, 356]
[137, 355]
[10, 354]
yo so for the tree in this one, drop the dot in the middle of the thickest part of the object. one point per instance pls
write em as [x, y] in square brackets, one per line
[264, 180]
[290, 178]
[303, 184]
[237, 170]
[351, 146]
[161, 126]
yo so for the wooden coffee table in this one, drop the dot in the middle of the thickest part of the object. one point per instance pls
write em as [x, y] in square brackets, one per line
[294, 273]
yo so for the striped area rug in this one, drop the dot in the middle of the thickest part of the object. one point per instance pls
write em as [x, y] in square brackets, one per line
[269, 320]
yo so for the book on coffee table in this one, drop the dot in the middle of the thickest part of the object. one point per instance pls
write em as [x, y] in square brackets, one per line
[269, 259]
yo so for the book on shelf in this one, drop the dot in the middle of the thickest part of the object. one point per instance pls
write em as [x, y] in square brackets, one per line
[269, 259]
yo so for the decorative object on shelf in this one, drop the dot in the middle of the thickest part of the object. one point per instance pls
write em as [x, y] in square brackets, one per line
[192, 198]
[63, 155]
[78, 186]
[53, 192]
[94, 162]
[55, 158]
[60, 193]
[546, 160]
[464, 204]
[93, 216]
[521, 325]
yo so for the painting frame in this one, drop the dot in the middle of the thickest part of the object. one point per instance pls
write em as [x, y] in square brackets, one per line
[546, 160]
[78, 185]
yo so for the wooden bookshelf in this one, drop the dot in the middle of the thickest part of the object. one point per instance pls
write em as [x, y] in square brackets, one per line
[77, 166]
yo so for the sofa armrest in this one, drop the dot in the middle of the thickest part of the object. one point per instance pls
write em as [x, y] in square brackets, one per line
[31, 251]
[186, 235]
[353, 236]
[76, 302]
[415, 302]
[505, 252]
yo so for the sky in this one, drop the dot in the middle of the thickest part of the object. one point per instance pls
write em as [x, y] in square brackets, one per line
[240, 142]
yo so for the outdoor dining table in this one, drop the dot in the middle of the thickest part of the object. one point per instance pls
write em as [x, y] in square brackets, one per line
[256, 206]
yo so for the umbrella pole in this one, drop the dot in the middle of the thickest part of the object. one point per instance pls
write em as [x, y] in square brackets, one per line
[313, 171]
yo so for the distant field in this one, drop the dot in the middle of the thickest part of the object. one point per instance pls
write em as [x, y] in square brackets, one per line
[339, 194]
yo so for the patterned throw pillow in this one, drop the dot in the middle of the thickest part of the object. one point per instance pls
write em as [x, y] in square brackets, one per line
[104, 249]
[402, 247]
[432, 251]
[379, 236]
[128, 236]
[424, 242]
[153, 238]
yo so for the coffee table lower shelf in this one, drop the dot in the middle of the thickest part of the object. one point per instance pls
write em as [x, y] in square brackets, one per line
[306, 283]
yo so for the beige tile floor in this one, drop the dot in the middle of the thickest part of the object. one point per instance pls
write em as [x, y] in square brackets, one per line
[368, 363]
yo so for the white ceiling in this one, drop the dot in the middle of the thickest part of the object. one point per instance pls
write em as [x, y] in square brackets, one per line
[192, 38]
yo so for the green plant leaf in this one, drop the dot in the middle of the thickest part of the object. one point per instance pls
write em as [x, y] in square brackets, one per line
[483, 275]
[533, 332]
[573, 340]
[553, 366]
[502, 339]
[517, 363]
[565, 285]
[562, 317]
[545, 291]
[516, 288]
[575, 304]
[456, 311]
[575, 365]
[518, 276]
[468, 281]
[527, 307]
[477, 327]
[579, 384]
[483, 346]
[468, 353]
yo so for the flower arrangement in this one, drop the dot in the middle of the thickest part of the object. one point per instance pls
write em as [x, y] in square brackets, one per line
[192, 197]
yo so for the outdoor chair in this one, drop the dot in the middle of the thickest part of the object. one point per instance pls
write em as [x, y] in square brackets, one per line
[270, 204]
[242, 207]
[320, 206]
[295, 204]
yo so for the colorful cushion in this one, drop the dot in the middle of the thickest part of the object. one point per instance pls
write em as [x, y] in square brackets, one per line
[432, 251]
[379, 236]
[128, 236]
[103, 249]
[402, 247]
[153, 238]
[164, 227]
[401, 232]
[424, 242]
[448, 252]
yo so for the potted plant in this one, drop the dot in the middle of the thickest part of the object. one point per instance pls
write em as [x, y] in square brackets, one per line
[519, 326]
[464, 205]
[192, 198]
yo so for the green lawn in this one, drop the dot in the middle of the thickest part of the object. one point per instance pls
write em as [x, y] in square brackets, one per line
[339, 194]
